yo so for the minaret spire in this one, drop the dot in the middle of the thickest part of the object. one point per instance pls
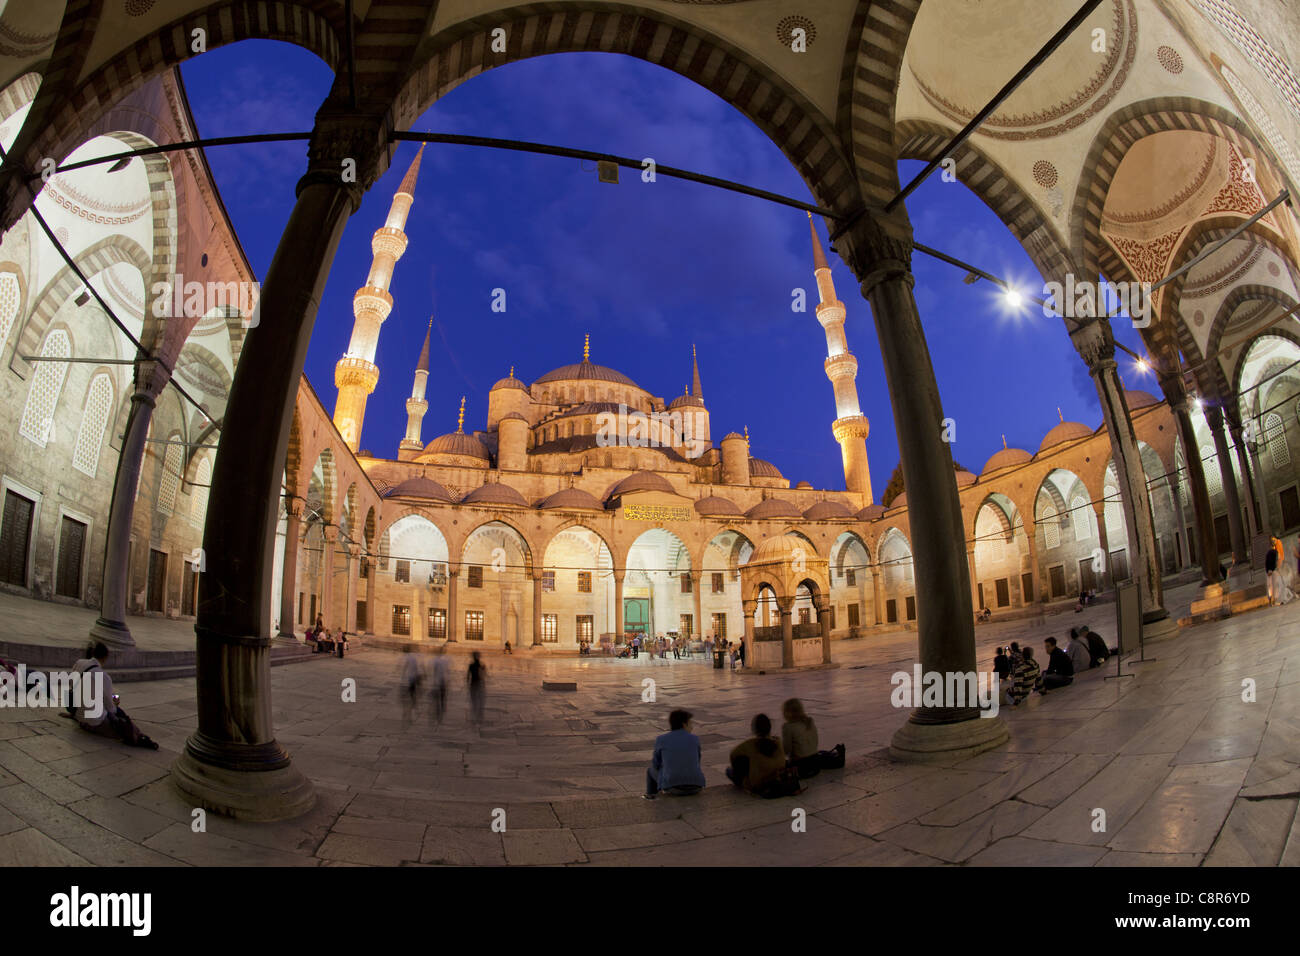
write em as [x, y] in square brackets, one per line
[416, 406]
[695, 376]
[850, 427]
[460, 422]
[356, 374]
[586, 347]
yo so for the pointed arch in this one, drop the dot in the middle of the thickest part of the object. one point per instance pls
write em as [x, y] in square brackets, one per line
[94, 420]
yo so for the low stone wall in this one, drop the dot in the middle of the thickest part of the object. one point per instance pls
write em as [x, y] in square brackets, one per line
[767, 654]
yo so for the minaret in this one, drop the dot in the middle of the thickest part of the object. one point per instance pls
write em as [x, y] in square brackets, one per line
[695, 376]
[850, 427]
[355, 374]
[416, 406]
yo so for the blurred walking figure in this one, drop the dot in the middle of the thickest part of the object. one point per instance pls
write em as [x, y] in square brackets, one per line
[439, 687]
[410, 684]
[477, 690]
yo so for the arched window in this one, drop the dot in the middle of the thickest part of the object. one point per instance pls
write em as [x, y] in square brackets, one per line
[1079, 516]
[1051, 528]
[1297, 410]
[199, 496]
[90, 436]
[47, 384]
[8, 305]
[170, 477]
[1275, 438]
[1210, 464]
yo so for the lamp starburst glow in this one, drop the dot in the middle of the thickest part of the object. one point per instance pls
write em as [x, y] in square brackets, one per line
[1014, 297]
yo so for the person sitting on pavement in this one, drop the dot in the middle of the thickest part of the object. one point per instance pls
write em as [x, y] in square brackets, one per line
[799, 740]
[1026, 673]
[675, 766]
[1080, 655]
[107, 719]
[1097, 652]
[757, 763]
[1060, 672]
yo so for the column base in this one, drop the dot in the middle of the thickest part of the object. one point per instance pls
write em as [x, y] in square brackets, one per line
[115, 635]
[1160, 630]
[280, 792]
[945, 743]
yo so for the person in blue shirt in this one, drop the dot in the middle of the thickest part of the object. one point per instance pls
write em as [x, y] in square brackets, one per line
[675, 767]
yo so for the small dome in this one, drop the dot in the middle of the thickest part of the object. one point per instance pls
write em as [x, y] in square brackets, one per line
[457, 443]
[803, 485]
[686, 400]
[758, 468]
[774, 508]
[585, 371]
[730, 435]
[826, 511]
[1066, 431]
[713, 505]
[900, 500]
[1138, 399]
[418, 487]
[871, 512]
[1005, 459]
[510, 382]
[570, 498]
[781, 548]
[494, 493]
[640, 481]
[965, 478]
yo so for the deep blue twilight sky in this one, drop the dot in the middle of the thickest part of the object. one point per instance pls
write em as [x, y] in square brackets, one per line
[647, 269]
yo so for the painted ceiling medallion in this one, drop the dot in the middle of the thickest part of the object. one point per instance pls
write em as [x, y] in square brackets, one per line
[1045, 174]
[138, 8]
[785, 30]
[1170, 59]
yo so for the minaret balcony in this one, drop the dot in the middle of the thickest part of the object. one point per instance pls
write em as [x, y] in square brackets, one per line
[830, 313]
[370, 298]
[844, 365]
[388, 241]
[351, 371]
[416, 406]
[850, 426]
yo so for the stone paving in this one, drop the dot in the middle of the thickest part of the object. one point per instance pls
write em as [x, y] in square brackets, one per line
[1185, 770]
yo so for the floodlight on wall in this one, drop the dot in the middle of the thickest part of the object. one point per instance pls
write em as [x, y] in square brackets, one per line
[82, 299]
[607, 172]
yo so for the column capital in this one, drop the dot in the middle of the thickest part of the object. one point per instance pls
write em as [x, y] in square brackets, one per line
[1175, 391]
[151, 377]
[294, 506]
[1213, 416]
[349, 148]
[1095, 343]
[877, 246]
[331, 532]
[749, 605]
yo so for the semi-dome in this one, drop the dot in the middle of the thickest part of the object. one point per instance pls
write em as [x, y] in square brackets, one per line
[827, 511]
[585, 371]
[418, 487]
[1137, 398]
[457, 443]
[586, 408]
[1066, 431]
[494, 493]
[570, 498]
[1005, 459]
[509, 382]
[871, 512]
[640, 481]
[758, 468]
[713, 505]
[774, 508]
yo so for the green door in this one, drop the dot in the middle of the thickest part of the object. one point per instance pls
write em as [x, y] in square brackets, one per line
[636, 615]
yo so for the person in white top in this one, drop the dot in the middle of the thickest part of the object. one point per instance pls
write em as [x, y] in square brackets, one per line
[108, 719]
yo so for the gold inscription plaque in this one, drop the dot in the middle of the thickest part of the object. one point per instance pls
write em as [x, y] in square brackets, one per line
[656, 513]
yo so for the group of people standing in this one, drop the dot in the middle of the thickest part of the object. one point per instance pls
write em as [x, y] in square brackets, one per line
[414, 675]
[764, 764]
[1022, 674]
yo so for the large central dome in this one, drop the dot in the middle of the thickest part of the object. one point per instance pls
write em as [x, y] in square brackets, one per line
[585, 371]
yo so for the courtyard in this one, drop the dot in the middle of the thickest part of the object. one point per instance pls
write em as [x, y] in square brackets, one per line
[1186, 771]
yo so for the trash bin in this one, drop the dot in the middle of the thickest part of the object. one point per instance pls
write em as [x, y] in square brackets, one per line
[719, 660]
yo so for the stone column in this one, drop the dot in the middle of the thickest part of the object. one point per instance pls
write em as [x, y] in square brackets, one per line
[1104, 576]
[1243, 463]
[974, 579]
[787, 632]
[824, 619]
[1095, 343]
[1184, 546]
[1237, 535]
[110, 628]
[354, 574]
[877, 596]
[618, 602]
[1031, 534]
[370, 596]
[697, 585]
[537, 604]
[748, 608]
[878, 249]
[1176, 395]
[453, 602]
[330, 534]
[289, 567]
[1265, 502]
[232, 763]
